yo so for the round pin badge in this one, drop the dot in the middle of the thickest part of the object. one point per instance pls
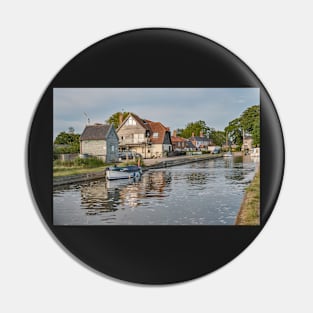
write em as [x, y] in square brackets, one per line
[155, 156]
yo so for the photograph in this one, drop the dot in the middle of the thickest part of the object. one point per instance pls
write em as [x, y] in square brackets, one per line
[156, 156]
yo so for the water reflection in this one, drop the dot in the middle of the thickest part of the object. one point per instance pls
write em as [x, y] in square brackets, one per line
[197, 178]
[208, 192]
[95, 196]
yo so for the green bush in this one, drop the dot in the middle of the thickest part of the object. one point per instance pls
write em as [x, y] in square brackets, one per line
[73, 148]
[67, 163]
[88, 162]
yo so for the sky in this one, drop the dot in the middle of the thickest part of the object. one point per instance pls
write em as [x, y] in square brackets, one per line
[173, 107]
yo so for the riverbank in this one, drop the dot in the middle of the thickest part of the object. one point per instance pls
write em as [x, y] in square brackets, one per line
[179, 160]
[249, 212]
[149, 164]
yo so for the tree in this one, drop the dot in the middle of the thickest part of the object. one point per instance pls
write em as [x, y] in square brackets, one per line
[250, 118]
[115, 118]
[179, 132]
[196, 128]
[71, 130]
[256, 133]
[69, 140]
[234, 132]
[218, 137]
[248, 122]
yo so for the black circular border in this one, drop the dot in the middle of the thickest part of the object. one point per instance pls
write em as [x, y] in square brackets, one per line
[155, 57]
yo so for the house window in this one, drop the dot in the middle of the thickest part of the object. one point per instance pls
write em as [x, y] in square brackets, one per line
[155, 135]
[112, 147]
[131, 121]
[138, 138]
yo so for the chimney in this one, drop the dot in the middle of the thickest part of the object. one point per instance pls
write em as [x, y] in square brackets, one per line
[201, 134]
[174, 133]
[193, 134]
[120, 119]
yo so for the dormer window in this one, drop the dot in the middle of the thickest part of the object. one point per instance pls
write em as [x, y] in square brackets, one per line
[131, 121]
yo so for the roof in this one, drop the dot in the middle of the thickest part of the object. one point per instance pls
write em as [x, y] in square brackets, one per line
[190, 145]
[199, 138]
[177, 139]
[152, 127]
[159, 128]
[95, 132]
[143, 123]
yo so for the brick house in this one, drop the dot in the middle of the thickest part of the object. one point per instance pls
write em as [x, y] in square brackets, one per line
[100, 140]
[178, 143]
[150, 139]
[201, 141]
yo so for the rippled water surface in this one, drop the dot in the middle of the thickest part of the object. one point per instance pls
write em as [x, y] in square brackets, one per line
[207, 193]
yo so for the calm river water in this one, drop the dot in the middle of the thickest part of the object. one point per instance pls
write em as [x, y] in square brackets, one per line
[207, 193]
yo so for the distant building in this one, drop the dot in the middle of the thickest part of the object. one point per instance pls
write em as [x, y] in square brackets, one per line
[150, 139]
[247, 143]
[201, 142]
[178, 143]
[100, 140]
[190, 146]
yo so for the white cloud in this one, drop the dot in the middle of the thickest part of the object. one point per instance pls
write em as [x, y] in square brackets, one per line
[174, 107]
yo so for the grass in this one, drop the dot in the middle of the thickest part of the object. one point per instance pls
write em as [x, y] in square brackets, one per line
[83, 166]
[77, 166]
[249, 213]
[74, 170]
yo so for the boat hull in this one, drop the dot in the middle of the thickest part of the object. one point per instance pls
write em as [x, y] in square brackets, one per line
[227, 155]
[123, 173]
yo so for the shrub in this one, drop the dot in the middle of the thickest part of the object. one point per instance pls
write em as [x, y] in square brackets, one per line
[78, 162]
[89, 162]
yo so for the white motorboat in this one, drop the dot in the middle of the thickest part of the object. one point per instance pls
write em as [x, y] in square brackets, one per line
[125, 172]
[227, 154]
[255, 152]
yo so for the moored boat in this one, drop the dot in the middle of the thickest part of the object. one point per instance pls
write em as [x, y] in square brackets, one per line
[255, 152]
[227, 154]
[125, 172]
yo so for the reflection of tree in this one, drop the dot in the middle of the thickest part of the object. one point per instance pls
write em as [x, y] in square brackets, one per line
[235, 174]
[235, 166]
[196, 178]
[101, 196]
[228, 162]
[238, 159]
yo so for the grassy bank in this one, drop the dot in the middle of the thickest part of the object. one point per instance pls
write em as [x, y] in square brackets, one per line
[77, 166]
[249, 213]
[83, 166]
[68, 171]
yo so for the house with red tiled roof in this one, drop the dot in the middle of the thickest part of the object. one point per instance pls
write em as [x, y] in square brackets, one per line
[150, 139]
[179, 143]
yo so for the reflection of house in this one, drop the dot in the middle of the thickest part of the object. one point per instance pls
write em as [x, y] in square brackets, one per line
[178, 143]
[247, 143]
[200, 142]
[150, 139]
[100, 140]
